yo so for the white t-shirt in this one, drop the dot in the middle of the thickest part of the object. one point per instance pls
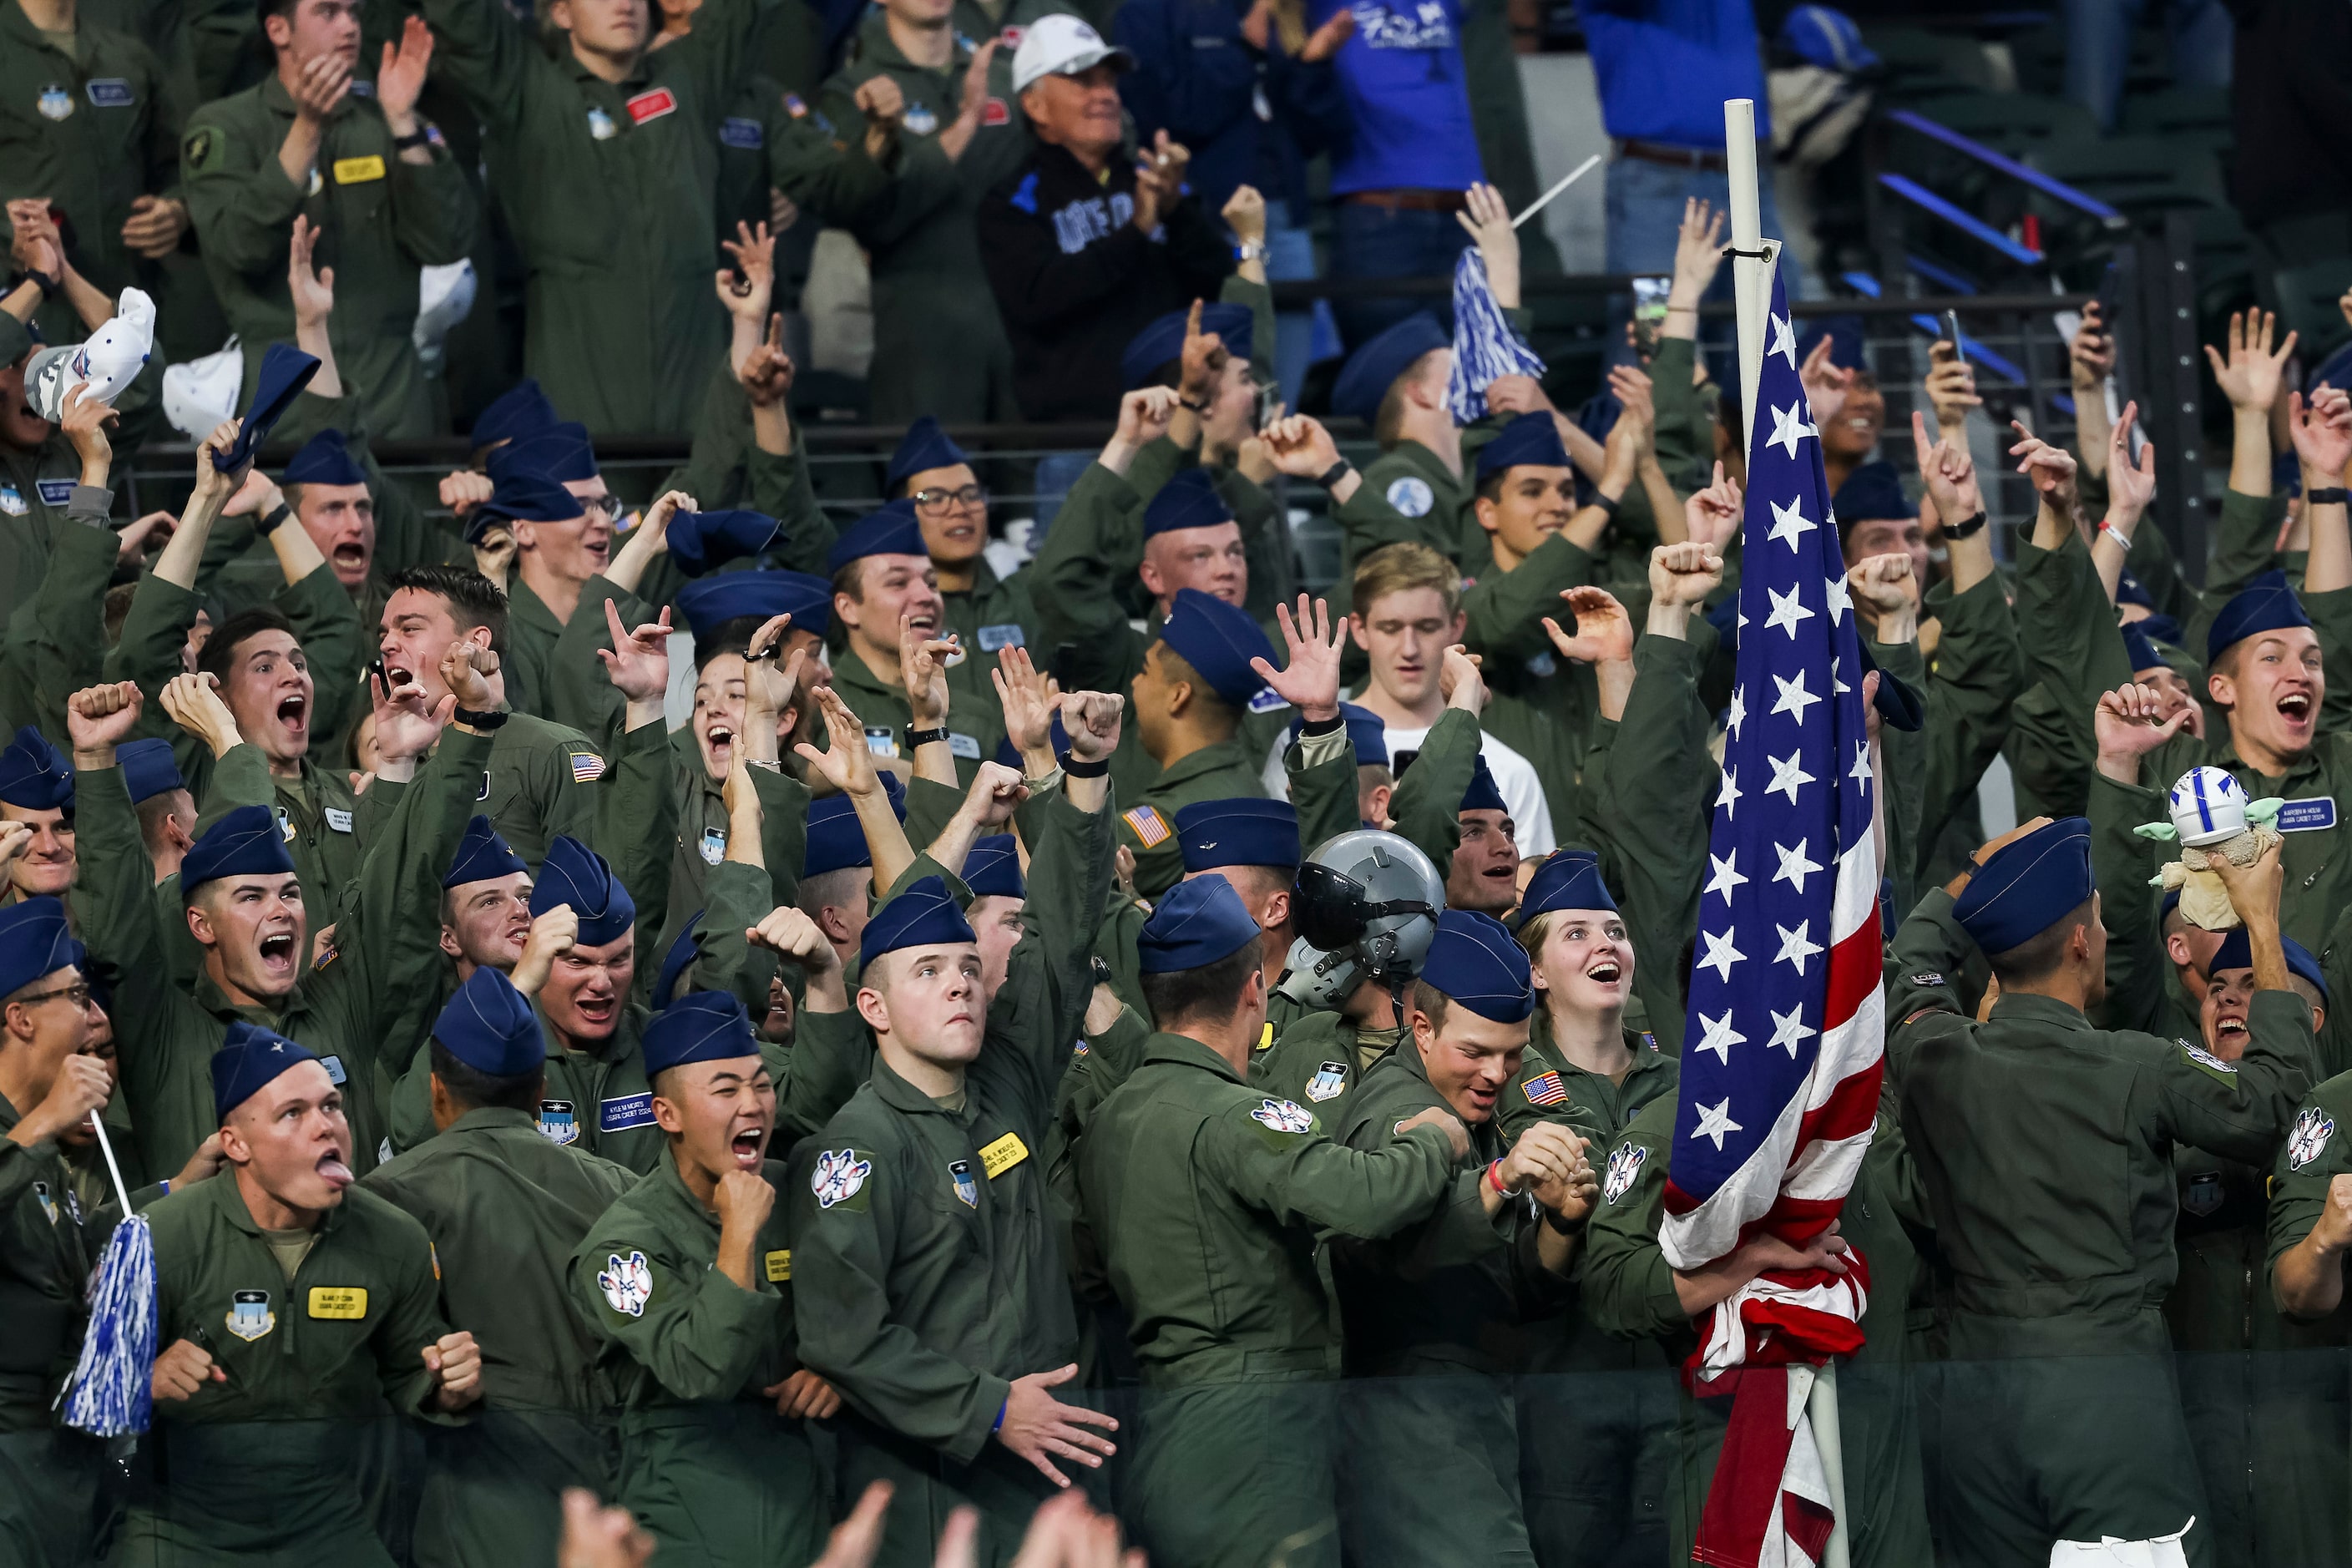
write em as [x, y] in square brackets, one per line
[1523, 792]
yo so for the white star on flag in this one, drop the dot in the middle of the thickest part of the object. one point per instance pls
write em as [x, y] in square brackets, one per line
[1790, 522]
[1837, 682]
[1787, 611]
[1720, 1036]
[1729, 796]
[1739, 711]
[1720, 954]
[1726, 876]
[1794, 866]
[1794, 698]
[1784, 341]
[1795, 945]
[1788, 1029]
[1861, 768]
[1841, 598]
[1714, 1121]
[1788, 774]
[1789, 427]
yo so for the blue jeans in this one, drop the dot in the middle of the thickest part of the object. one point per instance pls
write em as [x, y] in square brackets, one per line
[1375, 242]
[1646, 216]
[2098, 48]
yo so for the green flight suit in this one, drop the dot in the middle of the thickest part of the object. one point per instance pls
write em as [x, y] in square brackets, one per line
[1429, 1464]
[975, 726]
[922, 237]
[90, 126]
[2069, 656]
[2300, 1429]
[1977, 679]
[261, 1469]
[48, 1475]
[2144, 989]
[1221, 772]
[703, 825]
[708, 1467]
[2056, 1335]
[385, 945]
[380, 220]
[608, 189]
[1319, 1059]
[56, 641]
[994, 613]
[935, 1283]
[505, 1207]
[1209, 1199]
[1629, 1291]
[37, 487]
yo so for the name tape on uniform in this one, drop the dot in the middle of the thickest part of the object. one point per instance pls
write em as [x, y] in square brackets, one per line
[2307, 815]
[780, 1266]
[1003, 1155]
[348, 1302]
[624, 1113]
[651, 104]
[358, 170]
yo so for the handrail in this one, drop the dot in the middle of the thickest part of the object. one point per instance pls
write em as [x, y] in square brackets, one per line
[2057, 189]
[1927, 201]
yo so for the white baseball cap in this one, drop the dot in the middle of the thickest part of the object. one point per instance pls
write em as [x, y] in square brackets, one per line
[1061, 45]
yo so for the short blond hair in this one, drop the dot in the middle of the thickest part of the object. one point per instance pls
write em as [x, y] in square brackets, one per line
[1401, 567]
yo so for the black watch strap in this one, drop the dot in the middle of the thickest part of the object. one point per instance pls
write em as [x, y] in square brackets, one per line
[1333, 474]
[2325, 495]
[480, 718]
[1966, 528]
[917, 739]
[1607, 503]
[268, 521]
[1073, 768]
[416, 138]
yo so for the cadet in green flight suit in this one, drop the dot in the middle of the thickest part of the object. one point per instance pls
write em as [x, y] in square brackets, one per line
[933, 1294]
[55, 640]
[505, 1207]
[1430, 1464]
[295, 1314]
[985, 612]
[688, 1281]
[48, 1507]
[1192, 1178]
[2056, 1337]
[562, 541]
[2310, 1205]
[886, 603]
[320, 139]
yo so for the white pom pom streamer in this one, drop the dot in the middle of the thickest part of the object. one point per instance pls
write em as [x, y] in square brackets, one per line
[111, 1393]
[1484, 347]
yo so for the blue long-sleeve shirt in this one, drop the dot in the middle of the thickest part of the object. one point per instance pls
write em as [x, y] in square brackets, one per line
[1402, 73]
[1249, 118]
[1665, 67]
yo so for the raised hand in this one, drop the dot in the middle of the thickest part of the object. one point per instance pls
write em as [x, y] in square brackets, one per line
[2052, 469]
[1300, 446]
[767, 689]
[1324, 41]
[1203, 360]
[1143, 417]
[767, 372]
[1026, 697]
[313, 288]
[98, 719]
[1949, 472]
[552, 935]
[2132, 721]
[2322, 429]
[1460, 681]
[194, 703]
[1951, 385]
[996, 793]
[1685, 573]
[84, 421]
[2129, 488]
[846, 763]
[1310, 680]
[1245, 213]
[1604, 633]
[637, 664]
[923, 670]
[2251, 376]
[2091, 352]
[1826, 385]
[466, 669]
[1884, 585]
[1698, 255]
[400, 78]
[407, 723]
[1091, 719]
[1486, 217]
[214, 487]
[746, 289]
[1711, 515]
[788, 932]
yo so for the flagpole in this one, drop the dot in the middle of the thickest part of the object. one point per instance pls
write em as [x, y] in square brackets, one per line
[1751, 288]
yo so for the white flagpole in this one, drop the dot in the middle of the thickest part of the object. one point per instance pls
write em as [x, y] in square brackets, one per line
[1751, 286]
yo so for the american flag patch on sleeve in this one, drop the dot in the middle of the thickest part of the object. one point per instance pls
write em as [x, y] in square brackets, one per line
[1148, 825]
[1545, 1088]
[587, 767]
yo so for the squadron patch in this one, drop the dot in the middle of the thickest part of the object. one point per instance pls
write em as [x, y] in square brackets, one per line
[966, 1188]
[249, 1316]
[1281, 1116]
[49, 1204]
[2202, 1194]
[627, 1283]
[2313, 1129]
[2205, 1059]
[1330, 1082]
[839, 1176]
[1624, 1164]
[1410, 496]
[558, 1122]
[55, 103]
[714, 844]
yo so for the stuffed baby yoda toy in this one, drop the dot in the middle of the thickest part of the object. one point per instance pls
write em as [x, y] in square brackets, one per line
[2212, 819]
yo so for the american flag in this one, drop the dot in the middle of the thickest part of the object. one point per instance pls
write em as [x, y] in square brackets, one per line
[1781, 1051]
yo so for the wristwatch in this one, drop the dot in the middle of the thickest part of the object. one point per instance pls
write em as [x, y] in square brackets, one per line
[1253, 250]
[416, 138]
[1966, 528]
[480, 718]
[268, 521]
[2326, 495]
[1335, 473]
[917, 739]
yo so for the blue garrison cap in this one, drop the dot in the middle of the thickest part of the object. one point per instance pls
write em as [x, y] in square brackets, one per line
[324, 460]
[682, 952]
[2031, 885]
[1568, 879]
[576, 875]
[520, 410]
[923, 448]
[285, 372]
[489, 1025]
[2265, 604]
[1370, 371]
[836, 842]
[2237, 951]
[34, 941]
[2141, 651]
[1218, 640]
[1901, 707]
[925, 913]
[712, 602]
[993, 868]
[1845, 335]
[248, 1061]
[1529, 440]
[35, 774]
[1368, 733]
[1199, 921]
[2129, 590]
[1476, 964]
[1244, 831]
[701, 540]
[1873, 490]
[246, 842]
[148, 768]
[561, 452]
[1163, 341]
[523, 495]
[482, 853]
[1188, 500]
[700, 1027]
[1483, 793]
[889, 529]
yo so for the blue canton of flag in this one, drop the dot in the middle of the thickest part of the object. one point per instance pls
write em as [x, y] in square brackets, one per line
[1782, 1048]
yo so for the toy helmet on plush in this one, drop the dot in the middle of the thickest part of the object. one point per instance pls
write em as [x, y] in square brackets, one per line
[2208, 806]
[1367, 905]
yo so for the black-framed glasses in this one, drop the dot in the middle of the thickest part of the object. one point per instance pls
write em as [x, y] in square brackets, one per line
[939, 500]
[607, 505]
[80, 995]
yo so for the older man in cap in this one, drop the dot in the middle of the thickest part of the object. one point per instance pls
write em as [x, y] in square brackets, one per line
[886, 606]
[1430, 1454]
[2059, 1344]
[985, 611]
[949, 1360]
[688, 1280]
[505, 1207]
[293, 1311]
[1190, 1177]
[36, 789]
[50, 1083]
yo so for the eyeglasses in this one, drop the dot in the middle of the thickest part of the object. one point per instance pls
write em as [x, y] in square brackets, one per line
[80, 995]
[936, 502]
[607, 506]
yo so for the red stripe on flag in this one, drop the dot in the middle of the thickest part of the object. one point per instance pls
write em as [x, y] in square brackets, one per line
[1852, 1106]
[1857, 970]
[1747, 1471]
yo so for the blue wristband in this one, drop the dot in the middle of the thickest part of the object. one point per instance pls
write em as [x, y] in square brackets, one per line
[998, 1425]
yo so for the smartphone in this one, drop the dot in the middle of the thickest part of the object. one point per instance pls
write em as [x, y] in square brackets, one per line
[1649, 310]
[1952, 336]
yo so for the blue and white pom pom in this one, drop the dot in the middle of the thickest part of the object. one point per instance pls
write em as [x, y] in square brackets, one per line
[111, 1391]
[1484, 347]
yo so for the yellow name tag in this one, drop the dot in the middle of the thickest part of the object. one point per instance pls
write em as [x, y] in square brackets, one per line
[1003, 1155]
[338, 1301]
[358, 170]
[780, 1266]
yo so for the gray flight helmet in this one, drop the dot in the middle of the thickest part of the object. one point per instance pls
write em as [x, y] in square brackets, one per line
[1366, 906]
